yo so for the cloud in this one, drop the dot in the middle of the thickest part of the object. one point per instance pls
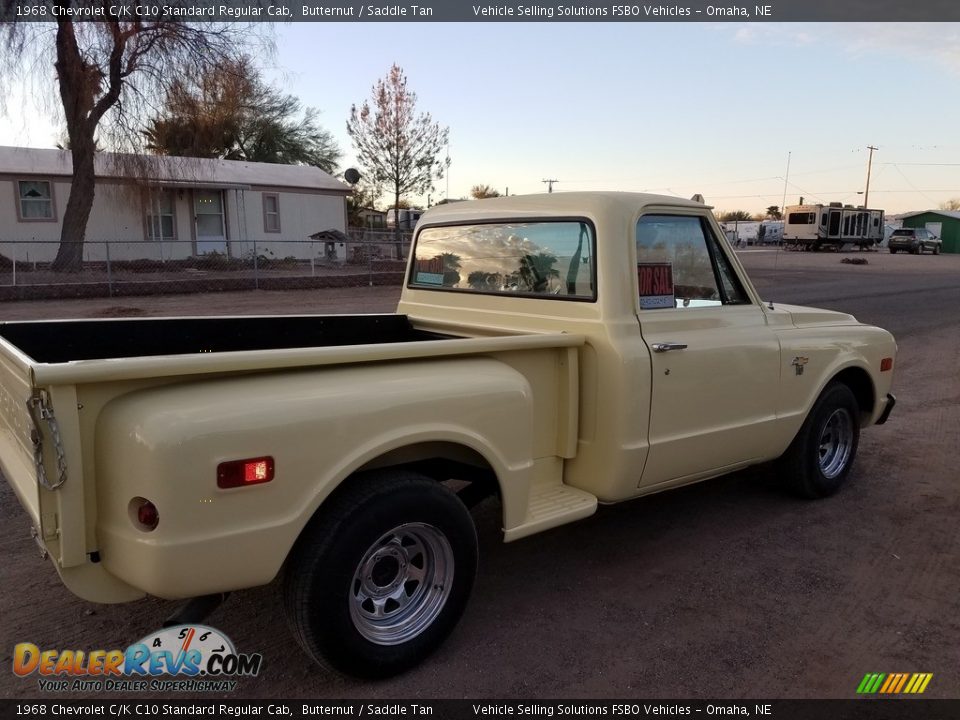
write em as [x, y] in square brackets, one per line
[939, 42]
[932, 42]
[771, 34]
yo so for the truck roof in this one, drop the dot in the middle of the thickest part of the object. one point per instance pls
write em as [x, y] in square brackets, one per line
[560, 204]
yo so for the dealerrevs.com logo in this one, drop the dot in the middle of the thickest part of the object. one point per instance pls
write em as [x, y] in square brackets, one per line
[199, 658]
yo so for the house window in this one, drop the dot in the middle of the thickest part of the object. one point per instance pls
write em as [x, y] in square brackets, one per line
[271, 212]
[160, 224]
[35, 200]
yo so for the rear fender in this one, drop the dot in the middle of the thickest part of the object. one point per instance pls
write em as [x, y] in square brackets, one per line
[164, 444]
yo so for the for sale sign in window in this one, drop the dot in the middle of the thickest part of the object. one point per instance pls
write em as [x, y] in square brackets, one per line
[656, 285]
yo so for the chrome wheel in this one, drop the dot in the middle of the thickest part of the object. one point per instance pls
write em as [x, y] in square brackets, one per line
[401, 584]
[836, 443]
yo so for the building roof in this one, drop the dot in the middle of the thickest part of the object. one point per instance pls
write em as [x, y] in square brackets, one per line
[172, 170]
[946, 213]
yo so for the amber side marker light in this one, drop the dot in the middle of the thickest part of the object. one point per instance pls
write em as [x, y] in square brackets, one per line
[886, 364]
[240, 473]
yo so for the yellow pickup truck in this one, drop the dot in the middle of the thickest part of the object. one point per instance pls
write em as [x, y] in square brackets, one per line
[558, 350]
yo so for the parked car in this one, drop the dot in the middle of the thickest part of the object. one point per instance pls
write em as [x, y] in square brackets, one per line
[914, 240]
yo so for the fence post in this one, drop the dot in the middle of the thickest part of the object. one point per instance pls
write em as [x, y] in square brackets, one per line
[256, 268]
[106, 245]
[370, 264]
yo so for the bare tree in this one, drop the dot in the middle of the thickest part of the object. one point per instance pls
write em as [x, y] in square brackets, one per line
[397, 146]
[952, 205]
[105, 69]
[479, 192]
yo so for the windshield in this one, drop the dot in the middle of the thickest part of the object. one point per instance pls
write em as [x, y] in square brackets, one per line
[550, 259]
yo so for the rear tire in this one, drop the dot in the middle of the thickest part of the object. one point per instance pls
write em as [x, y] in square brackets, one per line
[821, 455]
[380, 577]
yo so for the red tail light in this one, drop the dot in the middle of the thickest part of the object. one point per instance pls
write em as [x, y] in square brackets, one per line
[144, 514]
[886, 364]
[240, 473]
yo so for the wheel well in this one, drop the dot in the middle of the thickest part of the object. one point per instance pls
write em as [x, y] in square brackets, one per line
[861, 385]
[440, 461]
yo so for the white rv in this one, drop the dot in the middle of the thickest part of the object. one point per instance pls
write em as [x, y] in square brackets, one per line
[815, 226]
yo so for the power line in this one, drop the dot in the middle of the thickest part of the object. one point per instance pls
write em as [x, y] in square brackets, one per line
[550, 184]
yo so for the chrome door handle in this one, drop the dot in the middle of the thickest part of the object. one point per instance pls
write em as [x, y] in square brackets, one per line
[666, 347]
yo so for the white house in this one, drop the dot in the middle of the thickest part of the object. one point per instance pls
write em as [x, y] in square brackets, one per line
[165, 207]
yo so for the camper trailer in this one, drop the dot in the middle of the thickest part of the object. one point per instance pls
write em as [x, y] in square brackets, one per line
[835, 225]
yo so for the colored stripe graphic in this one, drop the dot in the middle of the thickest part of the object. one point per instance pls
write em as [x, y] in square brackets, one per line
[894, 683]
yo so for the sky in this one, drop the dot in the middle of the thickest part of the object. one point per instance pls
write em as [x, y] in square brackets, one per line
[718, 109]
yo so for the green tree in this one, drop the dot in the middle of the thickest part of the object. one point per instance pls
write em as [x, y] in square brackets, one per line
[231, 113]
[479, 192]
[483, 280]
[104, 70]
[397, 146]
[735, 216]
[363, 196]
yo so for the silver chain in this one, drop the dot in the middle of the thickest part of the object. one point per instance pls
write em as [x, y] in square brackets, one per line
[40, 411]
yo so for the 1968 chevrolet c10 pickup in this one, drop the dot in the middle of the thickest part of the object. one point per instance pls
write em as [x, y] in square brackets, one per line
[557, 350]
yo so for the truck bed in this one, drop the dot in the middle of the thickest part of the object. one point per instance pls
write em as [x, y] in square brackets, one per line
[66, 341]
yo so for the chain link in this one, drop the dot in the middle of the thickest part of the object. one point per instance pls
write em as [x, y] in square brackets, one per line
[40, 411]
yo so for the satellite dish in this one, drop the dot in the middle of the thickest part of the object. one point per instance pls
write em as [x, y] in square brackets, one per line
[352, 176]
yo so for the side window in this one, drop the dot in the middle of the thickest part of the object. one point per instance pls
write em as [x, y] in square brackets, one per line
[680, 265]
[160, 219]
[271, 212]
[35, 200]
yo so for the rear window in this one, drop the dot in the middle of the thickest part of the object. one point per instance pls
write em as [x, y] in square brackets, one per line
[801, 218]
[547, 259]
[906, 231]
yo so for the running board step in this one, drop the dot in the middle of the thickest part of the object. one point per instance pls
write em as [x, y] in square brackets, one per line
[551, 505]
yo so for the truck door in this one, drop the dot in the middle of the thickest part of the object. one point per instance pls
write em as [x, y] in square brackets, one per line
[714, 361]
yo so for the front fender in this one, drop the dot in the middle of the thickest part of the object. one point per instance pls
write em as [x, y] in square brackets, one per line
[812, 357]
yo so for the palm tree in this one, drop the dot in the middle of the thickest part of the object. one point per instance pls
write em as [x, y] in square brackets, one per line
[451, 269]
[537, 270]
[483, 280]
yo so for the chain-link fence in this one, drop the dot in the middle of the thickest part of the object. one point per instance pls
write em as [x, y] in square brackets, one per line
[150, 267]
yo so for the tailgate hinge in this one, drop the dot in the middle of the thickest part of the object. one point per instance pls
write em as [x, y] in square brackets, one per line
[39, 408]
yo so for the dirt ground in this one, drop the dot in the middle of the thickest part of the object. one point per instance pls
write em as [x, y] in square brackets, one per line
[725, 589]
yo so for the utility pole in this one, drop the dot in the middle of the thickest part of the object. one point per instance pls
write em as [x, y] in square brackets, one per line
[550, 184]
[866, 192]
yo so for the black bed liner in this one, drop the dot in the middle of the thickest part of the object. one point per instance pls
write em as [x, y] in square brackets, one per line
[63, 341]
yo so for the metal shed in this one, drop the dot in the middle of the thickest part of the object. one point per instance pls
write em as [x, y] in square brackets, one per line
[944, 223]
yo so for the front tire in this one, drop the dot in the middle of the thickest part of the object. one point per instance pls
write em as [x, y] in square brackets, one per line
[381, 576]
[821, 455]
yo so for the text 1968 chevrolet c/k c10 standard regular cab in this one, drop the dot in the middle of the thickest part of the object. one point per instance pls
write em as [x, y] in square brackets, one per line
[560, 350]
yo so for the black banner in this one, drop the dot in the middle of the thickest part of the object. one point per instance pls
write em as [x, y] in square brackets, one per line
[484, 11]
[867, 709]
